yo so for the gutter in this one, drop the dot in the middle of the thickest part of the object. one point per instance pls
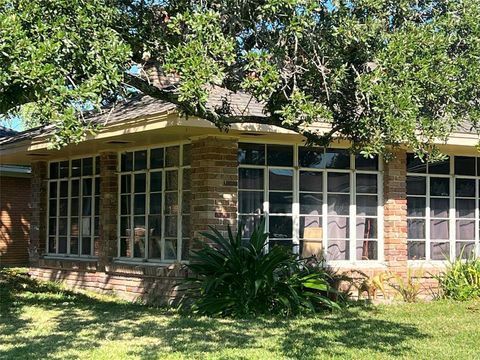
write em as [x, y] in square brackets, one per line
[15, 171]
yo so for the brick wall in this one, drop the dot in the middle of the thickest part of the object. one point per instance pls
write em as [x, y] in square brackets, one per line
[152, 284]
[38, 223]
[14, 220]
[395, 213]
[108, 208]
[152, 72]
[214, 181]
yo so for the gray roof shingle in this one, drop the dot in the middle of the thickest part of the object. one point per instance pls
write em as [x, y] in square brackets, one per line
[144, 106]
[5, 132]
[238, 103]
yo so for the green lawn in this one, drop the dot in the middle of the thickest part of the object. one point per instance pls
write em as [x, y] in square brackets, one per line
[43, 321]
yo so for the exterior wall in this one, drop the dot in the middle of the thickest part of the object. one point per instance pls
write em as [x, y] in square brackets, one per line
[395, 213]
[214, 178]
[214, 185]
[14, 220]
[38, 223]
[395, 235]
[152, 284]
[107, 248]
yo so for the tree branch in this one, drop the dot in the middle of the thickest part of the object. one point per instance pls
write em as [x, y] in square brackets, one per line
[202, 112]
[224, 121]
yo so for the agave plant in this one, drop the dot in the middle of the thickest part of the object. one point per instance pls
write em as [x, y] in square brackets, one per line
[237, 278]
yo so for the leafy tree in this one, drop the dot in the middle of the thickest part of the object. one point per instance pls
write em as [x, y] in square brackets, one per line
[57, 57]
[381, 72]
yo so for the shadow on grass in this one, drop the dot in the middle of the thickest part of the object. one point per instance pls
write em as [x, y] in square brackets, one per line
[348, 333]
[299, 338]
[83, 322]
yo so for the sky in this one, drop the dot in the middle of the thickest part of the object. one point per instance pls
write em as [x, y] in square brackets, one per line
[16, 123]
[12, 123]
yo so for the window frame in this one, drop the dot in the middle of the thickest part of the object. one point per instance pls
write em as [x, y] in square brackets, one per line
[180, 214]
[296, 215]
[94, 177]
[452, 216]
[476, 219]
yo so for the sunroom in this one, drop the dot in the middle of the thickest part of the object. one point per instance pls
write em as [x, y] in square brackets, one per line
[122, 210]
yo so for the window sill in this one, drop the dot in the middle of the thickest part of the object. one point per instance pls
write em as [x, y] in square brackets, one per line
[432, 264]
[71, 258]
[353, 265]
[164, 263]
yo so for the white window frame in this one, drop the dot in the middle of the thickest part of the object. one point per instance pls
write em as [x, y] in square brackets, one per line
[452, 218]
[94, 177]
[296, 202]
[453, 212]
[180, 214]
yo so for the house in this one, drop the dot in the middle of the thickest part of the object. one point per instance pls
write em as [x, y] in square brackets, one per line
[118, 211]
[14, 210]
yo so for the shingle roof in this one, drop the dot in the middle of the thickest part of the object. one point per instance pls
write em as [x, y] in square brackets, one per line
[23, 135]
[239, 103]
[140, 106]
[466, 127]
[4, 132]
[143, 106]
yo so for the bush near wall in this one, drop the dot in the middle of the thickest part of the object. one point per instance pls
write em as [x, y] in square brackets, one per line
[237, 278]
[461, 280]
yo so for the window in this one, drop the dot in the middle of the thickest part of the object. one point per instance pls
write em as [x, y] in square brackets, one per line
[275, 183]
[442, 208]
[302, 191]
[155, 203]
[73, 206]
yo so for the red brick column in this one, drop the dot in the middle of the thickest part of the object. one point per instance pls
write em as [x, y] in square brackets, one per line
[107, 247]
[214, 181]
[395, 212]
[38, 220]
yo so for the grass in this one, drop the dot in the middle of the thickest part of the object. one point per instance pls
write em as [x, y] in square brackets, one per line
[45, 321]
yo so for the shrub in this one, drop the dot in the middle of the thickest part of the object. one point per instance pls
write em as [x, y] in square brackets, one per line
[409, 287]
[461, 280]
[236, 278]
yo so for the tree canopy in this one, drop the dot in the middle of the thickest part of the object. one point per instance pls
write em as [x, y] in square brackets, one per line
[380, 72]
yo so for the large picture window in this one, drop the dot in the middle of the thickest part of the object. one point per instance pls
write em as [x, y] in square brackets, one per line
[318, 202]
[442, 208]
[154, 203]
[73, 206]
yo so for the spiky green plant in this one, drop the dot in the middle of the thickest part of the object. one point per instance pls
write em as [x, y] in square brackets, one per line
[461, 279]
[237, 278]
